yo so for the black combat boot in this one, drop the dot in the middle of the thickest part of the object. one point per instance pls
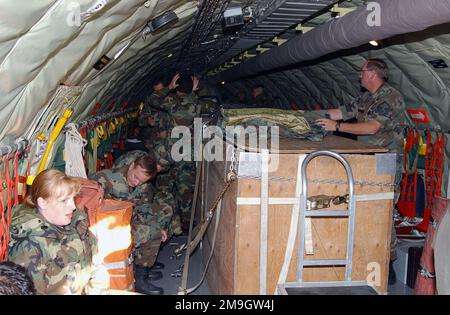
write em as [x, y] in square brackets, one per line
[157, 266]
[147, 273]
[140, 271]
[144, 286]
[142, 282]
[154, 275]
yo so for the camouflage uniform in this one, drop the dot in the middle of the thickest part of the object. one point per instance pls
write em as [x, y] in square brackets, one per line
[165, 180]
[148, 132]
[160, 150]
[262, 100]
[387, 107]
[183, 110]
[60, 260]
[128, 158]
[152, 212]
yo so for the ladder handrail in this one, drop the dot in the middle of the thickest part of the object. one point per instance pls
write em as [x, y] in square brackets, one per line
[303, 207]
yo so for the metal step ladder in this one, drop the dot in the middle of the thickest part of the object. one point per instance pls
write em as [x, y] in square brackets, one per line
[348, 286]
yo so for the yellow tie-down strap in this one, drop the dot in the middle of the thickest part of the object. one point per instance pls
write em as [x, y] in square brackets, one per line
[53, 135]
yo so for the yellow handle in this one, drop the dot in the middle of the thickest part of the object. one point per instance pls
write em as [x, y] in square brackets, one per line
[41, 137]
[100, 131]
[112, 127]
[58, 127]
[422, 146]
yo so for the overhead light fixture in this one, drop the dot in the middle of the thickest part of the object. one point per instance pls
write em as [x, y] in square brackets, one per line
[373, 43]
[170, 55]
[233, 19]
[101, 63]
[162, 21]
[223, 82]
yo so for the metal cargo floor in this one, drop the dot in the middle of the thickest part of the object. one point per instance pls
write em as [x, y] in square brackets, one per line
[171, 284]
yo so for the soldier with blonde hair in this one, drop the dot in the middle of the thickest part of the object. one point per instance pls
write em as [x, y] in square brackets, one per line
[51, 240]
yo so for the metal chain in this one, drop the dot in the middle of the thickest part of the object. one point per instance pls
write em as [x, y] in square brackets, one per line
[323, 181]
[357, 182]
[233, 160]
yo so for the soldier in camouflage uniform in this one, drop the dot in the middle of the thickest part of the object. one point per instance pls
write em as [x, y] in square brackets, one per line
[167, 174]
[165, 180]
[51, 239]
[151, 216]
[182, 108]
[260, 98]
[380, 113]
[381, 120]
[149, 117]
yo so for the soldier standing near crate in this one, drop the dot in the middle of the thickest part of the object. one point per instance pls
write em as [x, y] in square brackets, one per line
[381, 119]
[167, 174]
[182, 108]
[152, 213]
[260, 98]
[157, 125]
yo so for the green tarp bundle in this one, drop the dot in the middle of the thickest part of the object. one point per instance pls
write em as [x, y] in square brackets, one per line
[291, 124]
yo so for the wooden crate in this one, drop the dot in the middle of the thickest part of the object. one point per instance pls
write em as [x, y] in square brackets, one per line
[235, 267]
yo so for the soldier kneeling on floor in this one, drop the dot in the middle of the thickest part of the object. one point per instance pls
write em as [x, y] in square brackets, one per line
[152, 213]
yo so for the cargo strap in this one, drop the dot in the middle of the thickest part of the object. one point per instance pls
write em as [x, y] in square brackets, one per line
[119, 264]
[4, 232]
[5, 215]
[53, 135]
[192, 242]
[264, 222]
[293, 227]
[433, 175]
[189, 245]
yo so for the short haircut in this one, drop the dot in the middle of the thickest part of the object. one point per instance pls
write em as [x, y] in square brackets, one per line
[379, 66]
[148, 163]
[185, 83]
[14, 280]
[160, 79]
[52, 183]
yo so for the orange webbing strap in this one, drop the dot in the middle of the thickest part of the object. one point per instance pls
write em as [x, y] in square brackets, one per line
[408, 194]
[7, 214]
[99, 165]
[23, 179]
[3, 223]
[428, 170]
[430, 183]
[16, 177]
[109, 160]
[9, 187]
[405, 161]
[440, 151]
